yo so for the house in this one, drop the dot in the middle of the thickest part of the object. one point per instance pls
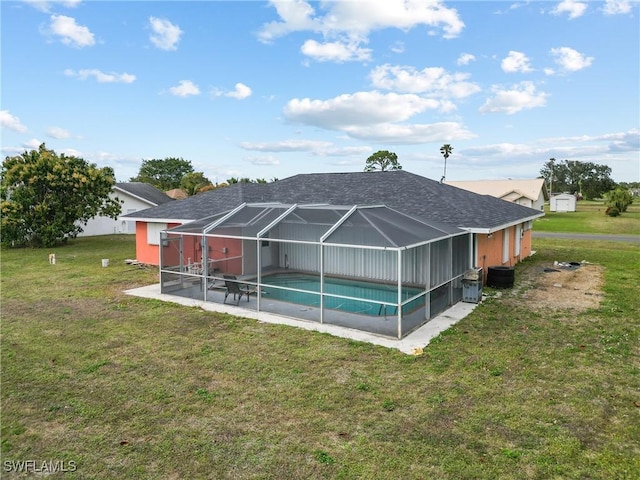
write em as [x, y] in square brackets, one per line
[502, 230]
[382, 252]
[529, 193]
[563, 202]
[133, 196]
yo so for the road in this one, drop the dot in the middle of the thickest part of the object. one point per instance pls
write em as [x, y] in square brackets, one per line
[588, 236]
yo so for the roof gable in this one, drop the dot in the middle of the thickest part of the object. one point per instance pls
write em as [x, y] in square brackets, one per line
[143, 191]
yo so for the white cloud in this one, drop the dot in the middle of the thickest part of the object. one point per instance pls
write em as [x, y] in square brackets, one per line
[430, 80]
[296, 16]
[57, 132]
[286, 146]
[11, 122]
[165, 34]
[241, 92]
[32, 144]
[520, 97]
[45, 6]
[570, 60]
[265, 160]
[184, 89]
[101, 77]
[516, 62]
[361, 108]
[375, 117]
[617, 7]
[335, 51]
[465, 58]
[388, 133]
[574, 8]
[70, 32]
[345, 25]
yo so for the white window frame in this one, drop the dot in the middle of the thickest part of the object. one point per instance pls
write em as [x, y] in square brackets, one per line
[153, 232]
[505, 245]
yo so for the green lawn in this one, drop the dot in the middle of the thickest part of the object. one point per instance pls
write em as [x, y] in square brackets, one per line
[140, 389]
[590, 217]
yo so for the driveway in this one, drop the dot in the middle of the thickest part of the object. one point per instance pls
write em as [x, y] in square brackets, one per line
[588, 236]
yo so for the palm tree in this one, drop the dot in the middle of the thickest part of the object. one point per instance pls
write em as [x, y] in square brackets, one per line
[445, 150]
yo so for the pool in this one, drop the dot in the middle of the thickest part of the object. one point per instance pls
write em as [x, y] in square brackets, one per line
[377, 293]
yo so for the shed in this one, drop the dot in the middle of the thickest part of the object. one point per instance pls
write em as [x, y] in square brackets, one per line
[564, 202]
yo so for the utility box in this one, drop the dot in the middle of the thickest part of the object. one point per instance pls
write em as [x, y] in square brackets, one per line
[472, 286]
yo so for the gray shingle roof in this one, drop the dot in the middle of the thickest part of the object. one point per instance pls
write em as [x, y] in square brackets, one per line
[417, 196]
[144, 191]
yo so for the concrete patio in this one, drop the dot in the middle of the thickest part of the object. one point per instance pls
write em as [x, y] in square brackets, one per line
[411, 344]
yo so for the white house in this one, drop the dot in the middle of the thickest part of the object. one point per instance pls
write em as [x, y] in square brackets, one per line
[530, 193]
[133, 196]
[564, 202]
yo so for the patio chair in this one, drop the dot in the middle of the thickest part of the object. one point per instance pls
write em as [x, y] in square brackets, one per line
[232, 286]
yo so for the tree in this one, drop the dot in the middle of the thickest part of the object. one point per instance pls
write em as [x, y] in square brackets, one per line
[194, 182]
[445, 150]
[382, 160]
[590, 180]
[45, 198]
[164, 174]
[618, 199]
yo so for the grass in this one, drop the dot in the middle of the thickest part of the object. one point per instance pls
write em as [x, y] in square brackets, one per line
[590, 217]
[140, 389]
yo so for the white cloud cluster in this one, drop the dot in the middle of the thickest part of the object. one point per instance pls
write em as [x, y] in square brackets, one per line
[617, 7]
[430, 80]
[185, 88]
[374, 116]
[70, 32]
[345, 26]
[522, 96]
[573, 8]
[516, 62]
[101, 77]
[11, 122]
[165, 34]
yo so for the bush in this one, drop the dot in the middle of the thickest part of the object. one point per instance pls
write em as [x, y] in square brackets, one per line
[612, 212]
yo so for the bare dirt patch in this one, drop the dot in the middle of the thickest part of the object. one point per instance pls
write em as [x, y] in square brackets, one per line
[549, 286]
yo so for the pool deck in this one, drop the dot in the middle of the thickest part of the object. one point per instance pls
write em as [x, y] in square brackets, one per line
[412, 344]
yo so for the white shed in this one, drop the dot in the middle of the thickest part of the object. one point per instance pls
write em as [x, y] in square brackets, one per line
[564, 202]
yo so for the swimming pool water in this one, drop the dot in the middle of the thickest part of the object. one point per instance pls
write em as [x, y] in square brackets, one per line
[366, 290]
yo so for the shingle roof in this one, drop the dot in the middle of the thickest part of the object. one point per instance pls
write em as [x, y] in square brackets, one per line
[144, 191]
[412, 194]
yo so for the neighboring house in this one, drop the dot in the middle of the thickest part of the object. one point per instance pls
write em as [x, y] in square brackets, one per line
[177, 194]
[529, 193]
[501, 231]
[133, 196]
[564, 202]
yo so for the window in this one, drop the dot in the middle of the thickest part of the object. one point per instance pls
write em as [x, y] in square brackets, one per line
[505, 245]
[153, 232]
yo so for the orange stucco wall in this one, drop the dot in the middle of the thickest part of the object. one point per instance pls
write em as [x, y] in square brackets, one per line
[490, 249]
[145, 253]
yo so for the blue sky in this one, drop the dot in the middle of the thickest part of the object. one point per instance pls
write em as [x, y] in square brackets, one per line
[273, 89]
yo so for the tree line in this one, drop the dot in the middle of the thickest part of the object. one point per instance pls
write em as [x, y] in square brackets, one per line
[46, 198]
